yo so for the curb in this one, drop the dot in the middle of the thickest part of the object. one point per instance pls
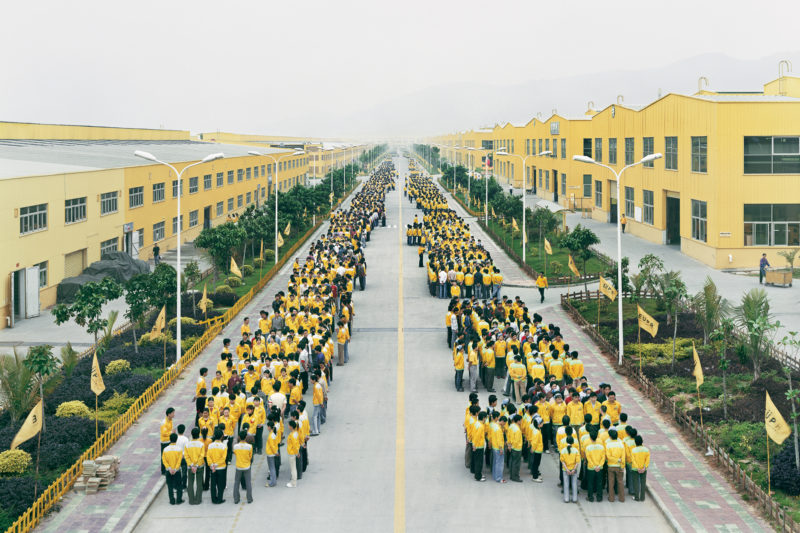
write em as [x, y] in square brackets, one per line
[151, 497]
[664, 511]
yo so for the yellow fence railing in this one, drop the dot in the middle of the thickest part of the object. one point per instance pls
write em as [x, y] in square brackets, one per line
[34, 514]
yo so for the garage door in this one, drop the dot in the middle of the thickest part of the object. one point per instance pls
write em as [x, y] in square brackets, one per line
[74, 263]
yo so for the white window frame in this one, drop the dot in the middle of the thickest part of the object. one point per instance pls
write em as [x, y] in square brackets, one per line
[109, 203]
[74, 210]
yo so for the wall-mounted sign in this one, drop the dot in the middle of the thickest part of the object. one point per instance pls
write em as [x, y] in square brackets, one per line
[127, 227]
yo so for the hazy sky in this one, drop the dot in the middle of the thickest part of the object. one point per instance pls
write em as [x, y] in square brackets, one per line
[299, 67]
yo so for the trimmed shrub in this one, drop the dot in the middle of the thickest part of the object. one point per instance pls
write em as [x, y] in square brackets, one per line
[784, 470]
[117, 366]
[187, 342]
[223, 289]
[16, 493]
[119, 402]
[72, 408]
[258, 262]
[148, 340]
[14, 462]
[233, 282]
[247, 270]
[185, 321]
[269, 255]
[224, 299]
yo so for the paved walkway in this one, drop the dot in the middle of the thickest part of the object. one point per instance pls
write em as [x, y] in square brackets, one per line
[120, 507]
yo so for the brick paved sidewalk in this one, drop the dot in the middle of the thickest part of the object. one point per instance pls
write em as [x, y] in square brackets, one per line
[121, 506]
[692, 495]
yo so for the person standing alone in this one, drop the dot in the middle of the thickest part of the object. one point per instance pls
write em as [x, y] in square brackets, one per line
[541, 284]
[762, 268]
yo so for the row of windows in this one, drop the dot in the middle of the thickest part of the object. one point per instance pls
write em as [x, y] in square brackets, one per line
[772, 155]
[698, 150]
[772, 224]
[544, 145]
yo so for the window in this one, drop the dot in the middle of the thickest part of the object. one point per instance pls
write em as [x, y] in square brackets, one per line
[230, 205]
[612, 151]
[563, 148]
[563, 184]
[135, 197]
[587, 147]
[629, 145]
[547, 180]
[240, 174]
[629, 199]
[206, 182]
[262, 170]
[230, 177]
[239, 201]
[699, 154]
[772, 155]
[158, 231]
[140, 237]
[193, 185]
[255, 171]
[598, 150]
[32, 218]
[175, 188]
[540, 147]
[108, 203]
[598, 193]
[175, 224]
[647, 204]
[547, 145]
[587, 185]
[220, 208]
[248, 172]
[527, 147]
[74, 210]
[42, 274]
[158, 192]
[108, 246]
[699, 220]
[220, 179]
[194, 217]
[540, 177]
[671, 153]
[647, 149]
[555, 148]
[248, 198]
[772, 224]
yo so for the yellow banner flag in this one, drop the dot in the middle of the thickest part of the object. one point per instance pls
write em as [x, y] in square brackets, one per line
[547, 247]
[777, 428]
[161, 321]
[31, 427]
[261, 255]
[204, 301]
[288, 228]
[608, 289]
[331, 197]
[280, 240]
[97, 378]
[514, 224]
[572, 266]
[698, 368]
[235, 268]
[493, 215]
[646, 322]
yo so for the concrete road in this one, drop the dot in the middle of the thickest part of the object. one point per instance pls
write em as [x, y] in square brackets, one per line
[391, 456]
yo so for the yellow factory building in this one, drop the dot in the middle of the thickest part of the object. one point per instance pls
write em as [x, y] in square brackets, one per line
[726, 190]
[70, 193]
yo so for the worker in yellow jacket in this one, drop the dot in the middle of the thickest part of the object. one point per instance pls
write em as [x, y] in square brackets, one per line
[243, 451]
[640, 461]
[595, 459]
[570, 465]
[194, 453]
[171, 458]
[615, 459]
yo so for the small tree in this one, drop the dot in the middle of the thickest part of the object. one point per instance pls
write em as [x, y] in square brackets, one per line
[720, 337]
[43, 364]
[88, 305]
[626, 285]
[710, 307]
[754, 317]
[792, 344]
[220, 241]
[578, 242]
[162, 287]
[191, 275]
[137, 291]
[651, 267]
[673, 291]
[790, 256]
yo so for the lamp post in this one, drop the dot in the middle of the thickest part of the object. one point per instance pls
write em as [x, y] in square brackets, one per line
[524, 188]
[618, 175]
[154, 159]
[276, 161]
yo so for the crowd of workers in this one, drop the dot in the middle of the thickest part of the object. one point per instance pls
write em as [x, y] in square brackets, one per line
[255, 401]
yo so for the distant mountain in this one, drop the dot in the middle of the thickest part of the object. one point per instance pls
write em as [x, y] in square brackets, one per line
[456, 107]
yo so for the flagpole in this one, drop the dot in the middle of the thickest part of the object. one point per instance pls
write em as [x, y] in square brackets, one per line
[38, 447]
[95, 417]
[700, 403]
[640, 357]
[164, 333]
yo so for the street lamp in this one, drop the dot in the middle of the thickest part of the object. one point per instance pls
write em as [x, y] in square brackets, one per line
[524, 189]
[645, 159]
[276, 161]
[154, 159]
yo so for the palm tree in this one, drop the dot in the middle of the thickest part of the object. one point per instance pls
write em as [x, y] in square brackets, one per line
[754, 317]
[17, 386]
[710, 306]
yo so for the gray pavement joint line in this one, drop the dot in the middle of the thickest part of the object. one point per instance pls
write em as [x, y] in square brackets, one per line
[701, 468]
[399, 472]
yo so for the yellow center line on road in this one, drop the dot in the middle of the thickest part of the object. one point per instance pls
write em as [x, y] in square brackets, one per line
[400, 437]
